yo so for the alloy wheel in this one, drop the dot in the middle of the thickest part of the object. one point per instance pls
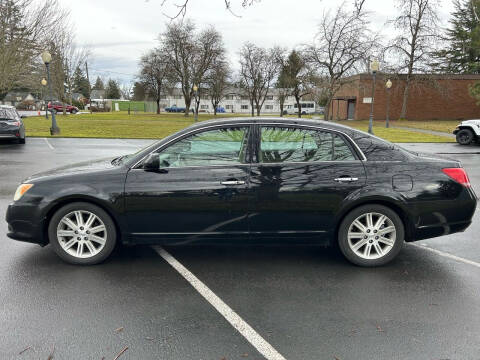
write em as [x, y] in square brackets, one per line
[371, 235]
[81, 234]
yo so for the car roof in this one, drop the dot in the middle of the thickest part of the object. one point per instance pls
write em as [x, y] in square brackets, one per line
[273, 120]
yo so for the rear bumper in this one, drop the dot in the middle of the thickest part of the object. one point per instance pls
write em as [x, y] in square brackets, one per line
[445, 217]
[24, 225]
[10, 133]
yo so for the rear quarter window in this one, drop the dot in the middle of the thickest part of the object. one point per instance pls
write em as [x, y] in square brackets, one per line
[376, 149]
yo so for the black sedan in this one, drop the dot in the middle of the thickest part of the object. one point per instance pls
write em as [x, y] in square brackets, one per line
[259, 180]
[11, 124]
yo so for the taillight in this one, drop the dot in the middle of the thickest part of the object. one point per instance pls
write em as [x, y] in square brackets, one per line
[458, 174]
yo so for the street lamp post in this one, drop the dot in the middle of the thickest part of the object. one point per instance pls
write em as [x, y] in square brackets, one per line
[388, 86]
[46, 58]
[44, 83]
[374, 68]
[195, 90]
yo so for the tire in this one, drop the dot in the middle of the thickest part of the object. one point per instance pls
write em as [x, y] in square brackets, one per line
[73, 112]
[374, 257]
[465, 137]
[21, 141]
[92, 250]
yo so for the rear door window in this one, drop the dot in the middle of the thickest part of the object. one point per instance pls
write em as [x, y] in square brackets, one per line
[290, 144]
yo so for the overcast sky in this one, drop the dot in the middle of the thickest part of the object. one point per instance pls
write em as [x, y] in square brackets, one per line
[118, 32]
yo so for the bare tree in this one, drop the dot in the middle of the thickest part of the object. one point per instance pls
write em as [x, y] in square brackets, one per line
[217, 82]
[417, 23]
[24, 27]
[340, 45]
[66, 58]
[258, 70]
[127, 90]
[155, 74]
[190, 54]
[182, 7]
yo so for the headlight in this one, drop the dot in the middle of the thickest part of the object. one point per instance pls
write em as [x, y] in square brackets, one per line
[22, 189]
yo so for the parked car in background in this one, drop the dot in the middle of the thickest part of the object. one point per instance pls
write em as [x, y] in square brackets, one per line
[57, 106]
[468, 132]
[176, 109]
[248, 180]
[11, 124]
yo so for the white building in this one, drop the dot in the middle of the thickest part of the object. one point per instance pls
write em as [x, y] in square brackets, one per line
[235, 101]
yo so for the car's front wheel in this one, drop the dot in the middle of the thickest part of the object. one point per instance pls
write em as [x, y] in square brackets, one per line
[82, 233]
[465, 137]
[371, 235]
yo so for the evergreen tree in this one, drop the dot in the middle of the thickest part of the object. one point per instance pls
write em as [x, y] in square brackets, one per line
[139, 92]
[80, 83]
[98, 84]
[462, 54]
[112, 91]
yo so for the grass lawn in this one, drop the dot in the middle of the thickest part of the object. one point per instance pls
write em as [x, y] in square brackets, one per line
[397, 135]
[148, 126]
[436, 125]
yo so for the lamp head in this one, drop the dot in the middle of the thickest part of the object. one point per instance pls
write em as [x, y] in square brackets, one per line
[44, 82]
[388, 84]
[195, 88]
[46, 57]
[374, 65]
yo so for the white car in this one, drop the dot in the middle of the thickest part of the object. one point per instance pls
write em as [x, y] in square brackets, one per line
[467, 132]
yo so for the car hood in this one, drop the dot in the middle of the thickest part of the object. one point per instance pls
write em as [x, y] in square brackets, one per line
[85, 167]
[471, 122]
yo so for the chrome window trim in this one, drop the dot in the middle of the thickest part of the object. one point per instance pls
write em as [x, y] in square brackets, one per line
[250, 124]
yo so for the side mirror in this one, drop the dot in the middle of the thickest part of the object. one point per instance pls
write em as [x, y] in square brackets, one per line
[151, 163]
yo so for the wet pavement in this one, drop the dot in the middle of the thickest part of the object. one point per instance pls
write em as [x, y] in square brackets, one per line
[306, 302]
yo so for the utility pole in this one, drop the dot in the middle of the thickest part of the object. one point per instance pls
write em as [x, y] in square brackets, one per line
[89, 89]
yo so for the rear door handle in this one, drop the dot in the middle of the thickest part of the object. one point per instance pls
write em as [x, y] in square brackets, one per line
[232, 182]
[346, 179]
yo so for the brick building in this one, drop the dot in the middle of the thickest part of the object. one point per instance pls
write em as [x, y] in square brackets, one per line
[432, 98]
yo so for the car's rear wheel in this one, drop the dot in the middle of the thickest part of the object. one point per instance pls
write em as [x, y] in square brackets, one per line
[465, 137]
[21, 140]
[73, 111]
[371, 235]
[82, 233]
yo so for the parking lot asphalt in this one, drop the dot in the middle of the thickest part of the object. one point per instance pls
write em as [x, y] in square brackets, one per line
[306, 302]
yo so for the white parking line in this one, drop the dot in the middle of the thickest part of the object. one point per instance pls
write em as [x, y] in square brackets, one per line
[447, 255]
[228, 313]
[48, 143]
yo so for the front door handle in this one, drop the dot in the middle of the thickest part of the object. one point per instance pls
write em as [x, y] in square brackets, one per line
[232, 182]
[346, 179]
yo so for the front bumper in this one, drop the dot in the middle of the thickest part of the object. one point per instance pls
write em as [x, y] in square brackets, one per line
[25, 225]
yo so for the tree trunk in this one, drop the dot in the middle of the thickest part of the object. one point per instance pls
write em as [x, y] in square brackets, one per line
[403, 113]
[188, 102]
[297, 99]
[282, 103]
[326, 115]
[158, 105]
[253, 108]
[258, 108]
